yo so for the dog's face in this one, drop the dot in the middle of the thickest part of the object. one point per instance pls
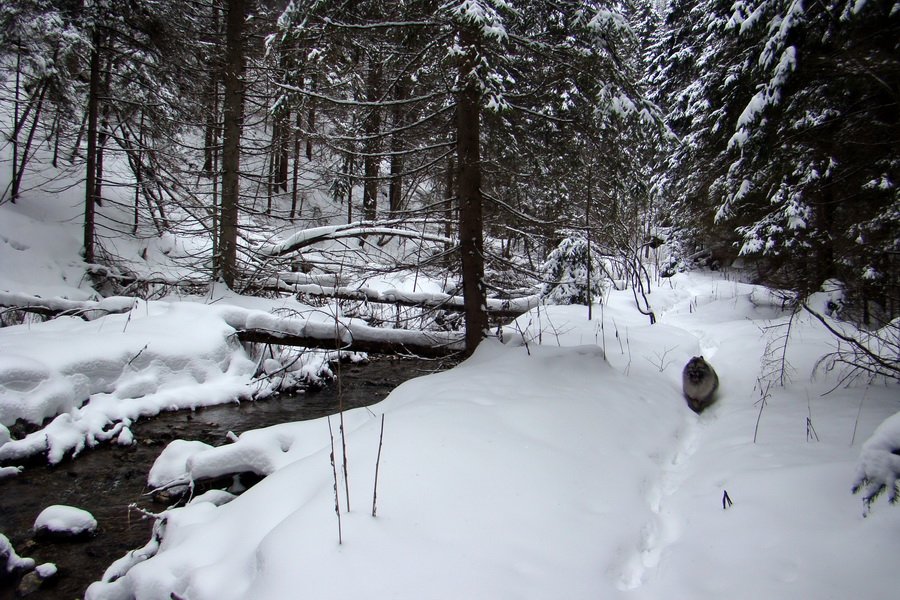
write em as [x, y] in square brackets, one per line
[696, 370]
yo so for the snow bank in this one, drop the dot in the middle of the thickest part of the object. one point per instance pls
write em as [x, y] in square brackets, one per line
[39, 255]
[94, 378]
[547, 470]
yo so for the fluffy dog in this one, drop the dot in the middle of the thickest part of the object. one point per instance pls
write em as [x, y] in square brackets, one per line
[699, 382]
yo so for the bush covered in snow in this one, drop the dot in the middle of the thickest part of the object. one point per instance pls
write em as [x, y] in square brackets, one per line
[879, 464]
[573, 275]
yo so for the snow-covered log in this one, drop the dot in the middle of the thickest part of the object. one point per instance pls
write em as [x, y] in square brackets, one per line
[347, 334]
[87, 309]
[308, 237]
[501, 307]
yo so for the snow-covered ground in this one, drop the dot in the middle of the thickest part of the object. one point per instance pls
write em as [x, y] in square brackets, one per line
[559, 463]
[544, 470]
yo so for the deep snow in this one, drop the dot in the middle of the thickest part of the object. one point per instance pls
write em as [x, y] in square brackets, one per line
[547, 471]
[561, 463]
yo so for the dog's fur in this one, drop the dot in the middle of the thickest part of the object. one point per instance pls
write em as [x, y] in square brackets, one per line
[699, 382]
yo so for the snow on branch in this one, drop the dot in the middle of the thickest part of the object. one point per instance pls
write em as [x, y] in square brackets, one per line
[308, 237]
[879, 463]
[510, 307]
[87, 309]
[324, 331]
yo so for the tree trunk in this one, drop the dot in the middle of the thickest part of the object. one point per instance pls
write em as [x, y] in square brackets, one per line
[211, 133]
[90, 187]
[395, 188]
[15, 136]
[295, 175]
[236, 11]
[19, 170]
[372, 161]
[102, 135]
[468, 182]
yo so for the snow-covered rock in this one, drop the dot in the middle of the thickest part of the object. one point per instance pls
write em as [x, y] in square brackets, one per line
[10, 562]
[64, 522]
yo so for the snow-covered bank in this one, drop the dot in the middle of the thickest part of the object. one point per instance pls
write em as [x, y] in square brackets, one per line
[100, 376]
[79, 383]
[545, 470]
[91, 379]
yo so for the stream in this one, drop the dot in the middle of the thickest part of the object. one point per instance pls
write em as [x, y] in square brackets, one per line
[108, 479]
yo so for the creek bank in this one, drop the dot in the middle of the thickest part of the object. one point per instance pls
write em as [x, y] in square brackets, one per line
[110, 481]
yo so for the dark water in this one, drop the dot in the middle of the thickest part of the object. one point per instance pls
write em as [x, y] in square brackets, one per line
[106, 480]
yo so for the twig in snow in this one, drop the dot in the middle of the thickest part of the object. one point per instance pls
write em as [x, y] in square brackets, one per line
[810, 430]
[134, 358]
[726, 500]
[337, 502]
[764, 395]
[661, 363]
[377, 466]
[343, 440]
[858, 412]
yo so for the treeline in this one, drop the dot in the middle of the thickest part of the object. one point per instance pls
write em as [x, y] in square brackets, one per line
[767, 131]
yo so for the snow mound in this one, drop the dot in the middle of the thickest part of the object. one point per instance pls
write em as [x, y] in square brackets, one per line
[65, 519]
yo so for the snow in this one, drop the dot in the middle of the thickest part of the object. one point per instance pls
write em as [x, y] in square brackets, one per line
[65, 519]
[46, 570]
[564, 463]
[10, 560]
[879, 462]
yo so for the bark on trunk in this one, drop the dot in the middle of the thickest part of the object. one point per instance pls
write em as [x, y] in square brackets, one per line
[372, 161]
[236, 11]
[468, 181]
[90, 187]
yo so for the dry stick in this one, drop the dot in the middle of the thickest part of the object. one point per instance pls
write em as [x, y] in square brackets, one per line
[377, 466]
[762, 403]
[341, 408]
[810, 430]
[343, 443]
[337, 503]
[858, 413]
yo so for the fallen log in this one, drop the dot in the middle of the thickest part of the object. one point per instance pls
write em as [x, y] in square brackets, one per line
[54, 307]
[438, 349]
[503, 308]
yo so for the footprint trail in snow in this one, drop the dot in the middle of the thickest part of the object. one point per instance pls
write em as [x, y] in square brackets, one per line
[663, 528]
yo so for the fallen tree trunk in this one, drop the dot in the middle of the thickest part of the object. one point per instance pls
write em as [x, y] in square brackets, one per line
[495, 307]
[437, 349]
[54, 307]
[321, 331]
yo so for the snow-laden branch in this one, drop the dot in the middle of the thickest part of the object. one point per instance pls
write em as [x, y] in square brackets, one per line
[879, 463]
[321, 331]
[510, 307]
[308, 237]
[87, 309]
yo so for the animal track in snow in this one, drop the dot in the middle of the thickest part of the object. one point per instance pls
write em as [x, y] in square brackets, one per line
[663, 528]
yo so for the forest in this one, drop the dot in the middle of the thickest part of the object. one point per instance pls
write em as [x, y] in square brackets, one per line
[531, 217]
[470, 138]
